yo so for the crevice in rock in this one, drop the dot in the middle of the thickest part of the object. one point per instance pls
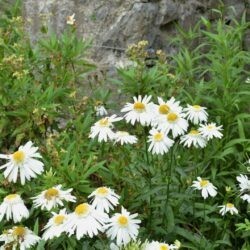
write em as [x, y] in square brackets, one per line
[170, 26]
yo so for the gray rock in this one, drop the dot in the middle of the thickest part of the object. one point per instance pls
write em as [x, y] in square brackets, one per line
[114, 24]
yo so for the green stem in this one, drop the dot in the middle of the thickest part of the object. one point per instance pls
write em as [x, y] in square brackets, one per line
[75, 77]
[170, 171]
[148, 177]
[168, 184]
[204, 222]
[146, 150]
[193, 208]
[102, 149]
[225, 228]
[204, 212]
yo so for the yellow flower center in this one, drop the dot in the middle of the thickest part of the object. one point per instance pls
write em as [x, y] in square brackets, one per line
[82, 209]
[210, 127]
[59, 219]
[164, 109]
[197, 107]
[194, 132]
[204, 183]
[230, 205]
[18, 156]
[172, 117]
[164, 247]
[51, 193]
[123, 221]
[158, 136]
[11, 197]
[123, 133]
[139, 107]
[98, 103]
[104, 122]
[19, 231]
[102, 191]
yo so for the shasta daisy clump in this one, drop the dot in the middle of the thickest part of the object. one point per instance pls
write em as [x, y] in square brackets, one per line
[168, 121]
[151, 153]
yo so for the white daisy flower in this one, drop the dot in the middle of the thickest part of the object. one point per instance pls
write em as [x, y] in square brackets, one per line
[170, 106]
[196, 114]
[194, 138]
[85, 220]
[18, 238]
[105, 199]
[24, 237]
[53, 197]
[23, 162]
[229, 207]
[210, 131]
[13, 208]
[71, 19]
[163, 108]
[7, 238]
[100, 109]
[246, 197]
[159, 142]
[206, 187]
[155, 245]
[113, 246]
[123, 227]
[56, 225]
[177, 243]
[160, 110]
[124, 137]
[152, 245]
[103, 128]
[139, 111]
[244, 184]
[173, 122]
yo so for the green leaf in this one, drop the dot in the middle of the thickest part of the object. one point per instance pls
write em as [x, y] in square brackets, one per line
[93, 169]
[36, 227]
[170, 219]
[41, 245]
[188, 235]
[241, 129]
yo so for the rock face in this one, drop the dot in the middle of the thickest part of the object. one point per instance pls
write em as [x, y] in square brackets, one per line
[118, 23]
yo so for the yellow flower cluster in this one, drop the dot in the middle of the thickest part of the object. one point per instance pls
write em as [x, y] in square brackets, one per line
[17, 20]
[13, 60]
[161, 56]
[138, 51]
[20, 74]
[16, 64]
